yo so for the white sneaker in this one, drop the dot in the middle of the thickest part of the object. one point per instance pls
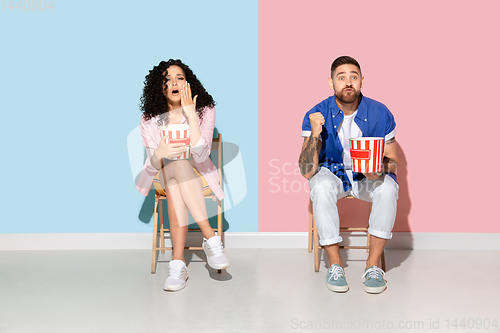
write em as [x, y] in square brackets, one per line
[177, 276]
[216, 257]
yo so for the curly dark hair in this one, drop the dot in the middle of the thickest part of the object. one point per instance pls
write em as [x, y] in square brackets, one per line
[154, 102]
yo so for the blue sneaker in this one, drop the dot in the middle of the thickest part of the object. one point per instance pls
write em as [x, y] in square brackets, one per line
[374, 280]
[335, 279]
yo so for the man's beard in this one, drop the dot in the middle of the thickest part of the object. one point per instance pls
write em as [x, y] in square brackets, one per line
[348, 98]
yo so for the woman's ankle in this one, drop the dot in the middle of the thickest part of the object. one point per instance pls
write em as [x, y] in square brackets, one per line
[175, 257]
[206, 230]
[208, 233]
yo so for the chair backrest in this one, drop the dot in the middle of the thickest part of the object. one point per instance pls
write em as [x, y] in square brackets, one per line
[217, 145]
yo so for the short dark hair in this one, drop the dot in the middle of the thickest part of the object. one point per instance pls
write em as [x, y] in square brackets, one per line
[344, 60]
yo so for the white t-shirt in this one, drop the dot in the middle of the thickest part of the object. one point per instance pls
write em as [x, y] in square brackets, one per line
[348, 130]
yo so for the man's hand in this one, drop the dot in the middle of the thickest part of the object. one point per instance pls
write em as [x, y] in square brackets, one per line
[317, 121]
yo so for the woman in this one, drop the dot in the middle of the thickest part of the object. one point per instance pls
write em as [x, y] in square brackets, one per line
[167, 99]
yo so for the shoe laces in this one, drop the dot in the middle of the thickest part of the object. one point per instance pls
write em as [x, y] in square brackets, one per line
[336, 272]
[216, 248]
[176, 272]
[373, 272]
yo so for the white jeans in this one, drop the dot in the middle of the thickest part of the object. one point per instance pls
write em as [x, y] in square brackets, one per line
[326, 189]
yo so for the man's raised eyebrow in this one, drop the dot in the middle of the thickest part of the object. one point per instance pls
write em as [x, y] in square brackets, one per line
[344, 72]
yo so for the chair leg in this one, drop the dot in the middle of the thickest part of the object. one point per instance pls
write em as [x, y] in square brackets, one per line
[316, 247]
[220, 229]
[162, 230]
[368, 236]
[155, 237]
[310, 235]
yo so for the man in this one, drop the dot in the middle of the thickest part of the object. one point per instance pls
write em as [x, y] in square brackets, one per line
[325, 160]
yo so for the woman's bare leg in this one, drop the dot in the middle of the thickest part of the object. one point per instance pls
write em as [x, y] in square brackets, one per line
[178, 230]
[190, 187]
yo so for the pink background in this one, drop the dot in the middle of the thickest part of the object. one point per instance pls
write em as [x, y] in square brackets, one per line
[435, 64]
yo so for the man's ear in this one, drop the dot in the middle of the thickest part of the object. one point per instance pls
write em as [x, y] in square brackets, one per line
[362, 81]
[330, 83]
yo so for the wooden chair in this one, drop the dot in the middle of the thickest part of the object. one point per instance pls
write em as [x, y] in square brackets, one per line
[159, 230]
[314, 238]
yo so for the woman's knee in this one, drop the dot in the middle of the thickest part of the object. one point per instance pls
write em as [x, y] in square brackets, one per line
[179, 170]
[180, 165]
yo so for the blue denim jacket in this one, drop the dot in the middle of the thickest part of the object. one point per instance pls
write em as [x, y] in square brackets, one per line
[373, 119]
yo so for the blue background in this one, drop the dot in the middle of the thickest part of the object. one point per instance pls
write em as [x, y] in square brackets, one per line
[70, 83]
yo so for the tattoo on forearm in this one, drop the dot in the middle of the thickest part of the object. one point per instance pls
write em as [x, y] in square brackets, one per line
[388, 142]
[306, 159]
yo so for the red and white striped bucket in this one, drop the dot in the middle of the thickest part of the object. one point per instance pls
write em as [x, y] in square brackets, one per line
[367, 154]
[178, 133]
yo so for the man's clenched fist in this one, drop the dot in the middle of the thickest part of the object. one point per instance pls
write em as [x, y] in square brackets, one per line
[317, 121]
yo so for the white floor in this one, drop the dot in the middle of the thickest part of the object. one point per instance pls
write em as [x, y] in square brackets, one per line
[265, 290]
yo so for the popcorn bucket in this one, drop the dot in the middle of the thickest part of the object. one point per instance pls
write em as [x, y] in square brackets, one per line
[367, 154]
[178, 133]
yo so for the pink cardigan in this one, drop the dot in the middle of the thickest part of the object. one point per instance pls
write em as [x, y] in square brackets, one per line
[200, 152]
